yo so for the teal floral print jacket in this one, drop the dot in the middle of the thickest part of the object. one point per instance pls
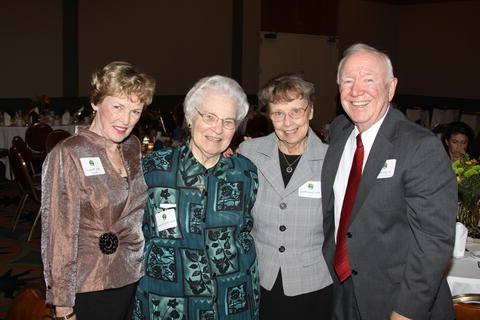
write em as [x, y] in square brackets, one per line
[200, 259]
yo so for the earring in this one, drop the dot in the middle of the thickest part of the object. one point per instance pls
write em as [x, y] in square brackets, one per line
[94, 113]
[189, 126]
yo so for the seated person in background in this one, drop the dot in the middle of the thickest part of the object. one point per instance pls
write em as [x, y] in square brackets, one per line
[258, 126]
[179, 131]
[458, 139]
[255, 125]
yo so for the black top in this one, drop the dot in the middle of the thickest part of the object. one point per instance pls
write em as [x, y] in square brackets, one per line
[293, 160]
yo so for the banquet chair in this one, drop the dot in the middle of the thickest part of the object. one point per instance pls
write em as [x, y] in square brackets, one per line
[467, 306]
[28, 189]
[55, 137]
[35, 138]
[3, 154]
[21, 147]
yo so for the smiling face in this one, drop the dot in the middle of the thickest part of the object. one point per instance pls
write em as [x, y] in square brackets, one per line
[457, 145]
[209, 141]
[292, 132]
[366, 89]
[116, 117]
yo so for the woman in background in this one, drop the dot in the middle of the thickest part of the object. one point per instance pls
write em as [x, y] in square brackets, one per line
[93, 196]
[458, 139]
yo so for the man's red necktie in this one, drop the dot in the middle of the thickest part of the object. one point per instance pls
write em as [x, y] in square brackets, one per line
[342, 265]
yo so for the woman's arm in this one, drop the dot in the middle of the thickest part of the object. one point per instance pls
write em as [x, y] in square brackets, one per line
[60, 211]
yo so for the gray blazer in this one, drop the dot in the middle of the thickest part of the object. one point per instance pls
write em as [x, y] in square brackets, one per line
[402, 224]
[278, 208]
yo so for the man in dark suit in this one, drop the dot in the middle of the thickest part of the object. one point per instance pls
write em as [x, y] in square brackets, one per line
[389, 197]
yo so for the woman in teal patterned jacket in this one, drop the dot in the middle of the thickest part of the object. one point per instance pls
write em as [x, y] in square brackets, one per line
[200, 260]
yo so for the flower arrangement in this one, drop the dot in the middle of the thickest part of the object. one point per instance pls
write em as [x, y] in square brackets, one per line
[467, 172]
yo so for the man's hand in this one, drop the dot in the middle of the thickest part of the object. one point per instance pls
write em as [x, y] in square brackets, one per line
[397, 316]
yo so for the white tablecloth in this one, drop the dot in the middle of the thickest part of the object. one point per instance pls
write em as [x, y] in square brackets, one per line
[464, 274]
[7, 134]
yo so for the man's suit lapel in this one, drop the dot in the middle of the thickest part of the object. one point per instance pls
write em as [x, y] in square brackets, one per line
[330, 165]
[381, 150]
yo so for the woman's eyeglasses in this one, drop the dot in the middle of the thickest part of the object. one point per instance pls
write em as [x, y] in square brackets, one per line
[211, 120]
[295, 113]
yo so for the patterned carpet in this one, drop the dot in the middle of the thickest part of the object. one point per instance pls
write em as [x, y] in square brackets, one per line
[20, 262]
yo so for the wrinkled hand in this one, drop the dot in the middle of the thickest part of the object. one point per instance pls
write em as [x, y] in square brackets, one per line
[397, 316]
[228, 153]
[63, 311]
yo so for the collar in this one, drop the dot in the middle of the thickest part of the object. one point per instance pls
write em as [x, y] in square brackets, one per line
[369, 135]
[99, 140]
[312, 151]
[193, 172]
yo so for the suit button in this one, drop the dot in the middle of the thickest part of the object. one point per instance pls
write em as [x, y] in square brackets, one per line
[282, 228]
[349, 234]
[281, 249]
[354, 272]
[283, 206]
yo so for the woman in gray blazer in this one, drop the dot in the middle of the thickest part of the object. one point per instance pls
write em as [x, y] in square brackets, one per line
[288, 221]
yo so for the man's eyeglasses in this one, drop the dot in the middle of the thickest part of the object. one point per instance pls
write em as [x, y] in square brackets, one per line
[211, 120]
[295, 113]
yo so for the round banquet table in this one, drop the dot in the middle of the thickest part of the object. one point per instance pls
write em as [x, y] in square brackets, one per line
[464, 274]
[7, 134]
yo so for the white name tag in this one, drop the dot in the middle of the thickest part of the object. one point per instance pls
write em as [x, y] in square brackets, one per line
[92, 166]
[310, 189]
[388, 169]
[165, 219]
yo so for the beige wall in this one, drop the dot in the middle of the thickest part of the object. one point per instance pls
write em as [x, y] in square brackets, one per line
[433, 47]
[177, 41]
[438, 49]
[371, 22]
[30, 48]
[251, 45]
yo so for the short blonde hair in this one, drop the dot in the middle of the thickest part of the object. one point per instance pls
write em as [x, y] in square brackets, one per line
[121, 78]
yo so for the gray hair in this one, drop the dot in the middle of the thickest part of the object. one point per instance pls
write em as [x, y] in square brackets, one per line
[359, 48]
[285, 88]
[225, 85]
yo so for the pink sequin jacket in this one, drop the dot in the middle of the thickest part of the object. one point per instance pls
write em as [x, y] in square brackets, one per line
[91, 221]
